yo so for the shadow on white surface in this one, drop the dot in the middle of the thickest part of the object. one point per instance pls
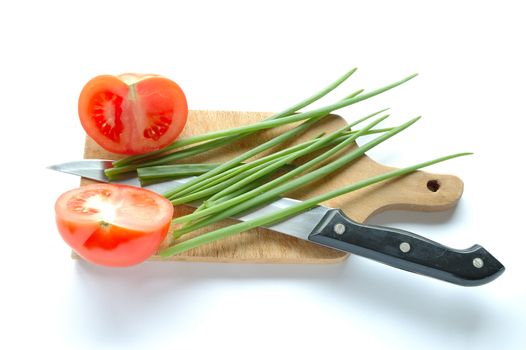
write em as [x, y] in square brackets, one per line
[156, 302]
[125, 305]
[140, 304]
[430, 304]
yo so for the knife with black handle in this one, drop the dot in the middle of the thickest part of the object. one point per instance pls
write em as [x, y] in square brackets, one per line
[407, 251]
[332, 228]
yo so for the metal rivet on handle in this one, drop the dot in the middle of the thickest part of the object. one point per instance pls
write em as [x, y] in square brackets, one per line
[405, 247]
[478, 263]
[339, 229]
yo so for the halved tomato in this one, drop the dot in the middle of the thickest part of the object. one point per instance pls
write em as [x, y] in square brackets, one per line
[113, 225]
[131, 113]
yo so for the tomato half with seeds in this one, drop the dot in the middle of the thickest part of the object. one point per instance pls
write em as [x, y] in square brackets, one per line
[113, 225]
[132, 113]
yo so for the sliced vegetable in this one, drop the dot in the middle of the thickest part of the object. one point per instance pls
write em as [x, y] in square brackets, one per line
[269, 123]
[132, 114]
[113, 225]
[284, 113]
[127, 164]
[310, 119]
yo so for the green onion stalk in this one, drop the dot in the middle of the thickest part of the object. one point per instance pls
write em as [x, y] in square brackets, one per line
[317, 144]
[282, 214]
[268, 191]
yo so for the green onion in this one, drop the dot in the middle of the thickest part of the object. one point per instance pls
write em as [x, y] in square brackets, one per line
[200, 181]
[167, 172]
[311, 163]
[284, 113]
[218, 178]
[266, 124]
[267, 168]
[297, 151]
[223, 196]
[111, 172]
[253, 185]
[239, 192]
[271, 191]
[251, 198]
[237, 160]
[269, 219]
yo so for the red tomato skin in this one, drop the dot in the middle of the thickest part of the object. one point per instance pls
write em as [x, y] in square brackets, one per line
[108, 244]
[130, 249]
[132, 113]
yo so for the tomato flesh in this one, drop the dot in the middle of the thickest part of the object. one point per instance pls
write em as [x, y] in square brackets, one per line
[132, 114]
[106, 112]
[113, 225]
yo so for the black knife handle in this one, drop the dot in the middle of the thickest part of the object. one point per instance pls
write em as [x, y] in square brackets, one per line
[407, 251]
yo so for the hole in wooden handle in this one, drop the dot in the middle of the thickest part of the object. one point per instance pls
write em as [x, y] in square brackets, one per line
[433, 185]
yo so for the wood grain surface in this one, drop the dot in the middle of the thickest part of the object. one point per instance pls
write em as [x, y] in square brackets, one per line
[417, 191]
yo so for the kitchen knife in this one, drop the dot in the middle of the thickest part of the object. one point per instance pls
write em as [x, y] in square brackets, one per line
[330, 227]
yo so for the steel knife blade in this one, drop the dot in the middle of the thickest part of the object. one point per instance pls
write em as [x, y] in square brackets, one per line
[332, 228]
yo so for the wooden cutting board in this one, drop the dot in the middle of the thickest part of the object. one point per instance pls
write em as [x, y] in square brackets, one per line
[417, 191]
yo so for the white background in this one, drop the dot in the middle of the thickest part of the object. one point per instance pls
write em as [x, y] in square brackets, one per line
[263, 57]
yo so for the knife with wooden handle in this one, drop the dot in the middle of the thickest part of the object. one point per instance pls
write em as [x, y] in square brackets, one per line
[330, 227]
